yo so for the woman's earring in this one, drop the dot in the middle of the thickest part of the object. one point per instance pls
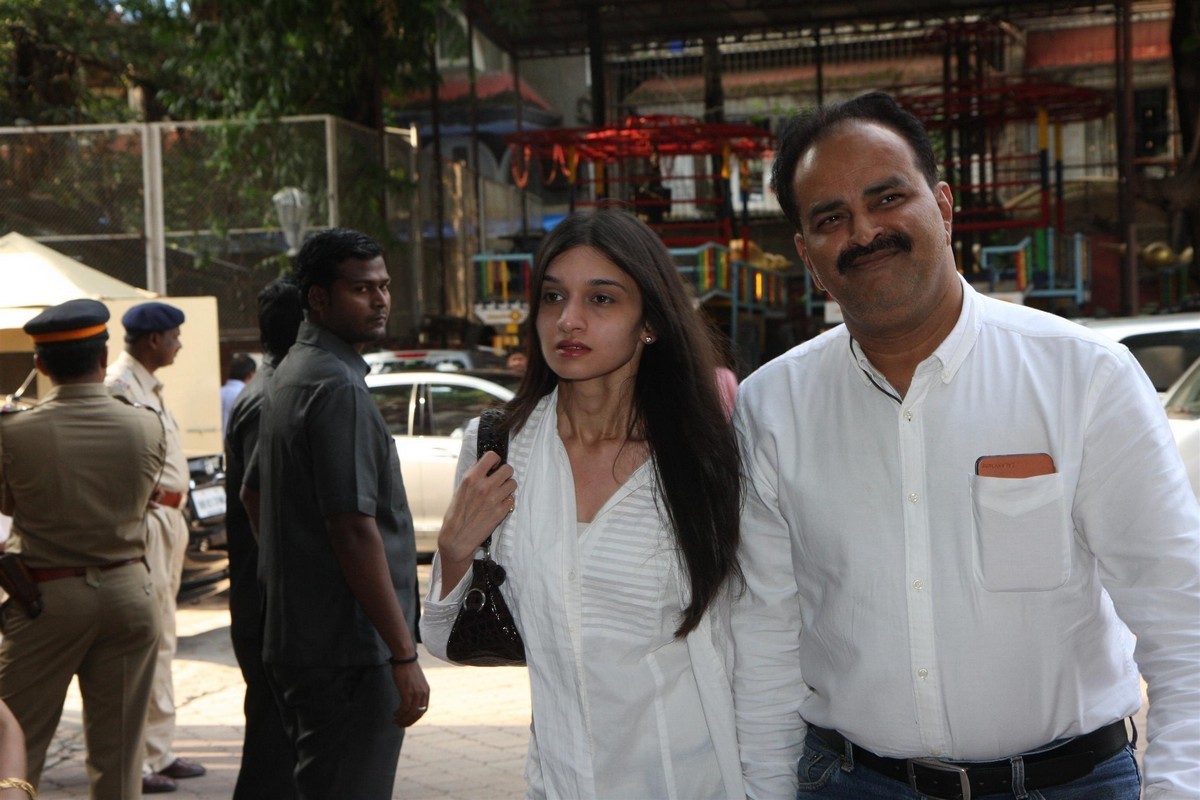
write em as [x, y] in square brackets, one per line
[649, 340]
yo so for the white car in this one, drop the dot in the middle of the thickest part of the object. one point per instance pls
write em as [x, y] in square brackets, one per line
[1168, 348]
[427, 413]
[1164, 344]
[385, 361]
[1183, 412]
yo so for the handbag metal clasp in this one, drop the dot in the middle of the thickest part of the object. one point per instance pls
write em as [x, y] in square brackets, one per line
[940, 766]
[475, 600]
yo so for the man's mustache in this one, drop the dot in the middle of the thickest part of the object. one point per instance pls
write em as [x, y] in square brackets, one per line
[892, 241]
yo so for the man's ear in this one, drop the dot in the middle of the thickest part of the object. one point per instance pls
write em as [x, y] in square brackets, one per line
[802, 251]
[40, 364]
[945, 201]
[318, 298]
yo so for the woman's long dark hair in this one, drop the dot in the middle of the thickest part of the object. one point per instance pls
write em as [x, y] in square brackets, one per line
[676, 406]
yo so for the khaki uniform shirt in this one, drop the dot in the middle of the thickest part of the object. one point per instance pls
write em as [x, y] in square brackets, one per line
[76, 473]
[128, 378]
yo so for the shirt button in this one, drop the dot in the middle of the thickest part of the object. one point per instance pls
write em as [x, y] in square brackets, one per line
[571, 575]
[918, 585]
[946, 375]
[922, 673]
[912, 498]
[908, 415]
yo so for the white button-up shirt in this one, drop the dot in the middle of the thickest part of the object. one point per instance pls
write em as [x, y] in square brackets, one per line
[621, 708]
[923, 610]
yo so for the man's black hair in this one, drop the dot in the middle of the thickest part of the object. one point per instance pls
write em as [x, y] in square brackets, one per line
[68, 360]
[279, 315]
[241, 367]
[803, 131]
[320, 256]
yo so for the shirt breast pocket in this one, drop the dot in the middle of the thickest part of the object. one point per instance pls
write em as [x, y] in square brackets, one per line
[1022, 533]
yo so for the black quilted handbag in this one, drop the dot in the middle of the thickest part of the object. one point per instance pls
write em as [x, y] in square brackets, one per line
[484, 634]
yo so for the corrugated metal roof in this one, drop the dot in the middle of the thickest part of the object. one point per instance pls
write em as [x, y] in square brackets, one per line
[537, 28]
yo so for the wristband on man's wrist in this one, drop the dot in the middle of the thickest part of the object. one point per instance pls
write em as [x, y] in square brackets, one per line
[401, 661]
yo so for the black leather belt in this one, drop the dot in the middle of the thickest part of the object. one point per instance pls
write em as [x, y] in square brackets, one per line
[949, 780]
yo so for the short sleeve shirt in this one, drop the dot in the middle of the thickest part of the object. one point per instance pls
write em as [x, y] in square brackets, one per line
[324, 449]
[79, 469]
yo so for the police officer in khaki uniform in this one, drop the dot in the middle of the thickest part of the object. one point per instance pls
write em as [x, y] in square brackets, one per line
[152, 342]
[76, 473]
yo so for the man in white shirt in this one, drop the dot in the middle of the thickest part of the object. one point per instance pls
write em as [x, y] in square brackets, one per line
[959, 513]
[241, 370]
[152, 341]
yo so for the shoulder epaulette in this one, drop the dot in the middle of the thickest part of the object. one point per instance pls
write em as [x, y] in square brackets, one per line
[8, 407]
[129, 402]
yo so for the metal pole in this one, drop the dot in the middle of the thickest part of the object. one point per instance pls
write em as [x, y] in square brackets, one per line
[414, 227]
[439, 198]
[1126, 182]
[331, 171]
[516, 70]
[480, 215]
[156, 240]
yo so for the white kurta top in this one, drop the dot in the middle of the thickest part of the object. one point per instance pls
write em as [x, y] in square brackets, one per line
[621, 709]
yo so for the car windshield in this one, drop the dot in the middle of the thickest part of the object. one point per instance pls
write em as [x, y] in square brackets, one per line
[1164, 355]
[1185, 400]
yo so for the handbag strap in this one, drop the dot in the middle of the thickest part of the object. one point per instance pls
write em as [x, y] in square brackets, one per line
[490, 439]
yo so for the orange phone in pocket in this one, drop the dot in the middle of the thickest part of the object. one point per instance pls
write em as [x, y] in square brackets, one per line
[1016, 465]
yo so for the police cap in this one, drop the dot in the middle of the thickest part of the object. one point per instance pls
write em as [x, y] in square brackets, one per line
[151, 317]
[69, 322]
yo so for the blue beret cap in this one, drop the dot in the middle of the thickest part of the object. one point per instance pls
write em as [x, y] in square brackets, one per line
[69, 322]
[151, 318]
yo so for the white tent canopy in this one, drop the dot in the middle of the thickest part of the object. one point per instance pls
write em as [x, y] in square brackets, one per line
[33, 276]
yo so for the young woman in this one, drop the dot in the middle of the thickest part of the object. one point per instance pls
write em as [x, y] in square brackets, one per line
[616, 519]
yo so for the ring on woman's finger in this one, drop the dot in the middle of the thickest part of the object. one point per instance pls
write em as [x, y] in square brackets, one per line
[512, 506]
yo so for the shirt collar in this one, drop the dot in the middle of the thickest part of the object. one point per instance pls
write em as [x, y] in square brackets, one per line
[97, 389]
[953, 350]
[949, 355]
[143, 376]
[318, 336]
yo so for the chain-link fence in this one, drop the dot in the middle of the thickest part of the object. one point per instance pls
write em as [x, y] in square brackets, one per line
[186, 208]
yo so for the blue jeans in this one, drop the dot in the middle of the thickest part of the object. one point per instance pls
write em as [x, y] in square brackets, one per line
[824, 773]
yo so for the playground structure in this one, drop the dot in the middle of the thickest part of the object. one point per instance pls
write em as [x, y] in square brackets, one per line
[716, 276]
[674, 173]
[996, 190]
[1001, 190]
[999, 138]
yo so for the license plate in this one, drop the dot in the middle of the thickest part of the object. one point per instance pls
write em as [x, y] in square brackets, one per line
[209, 501]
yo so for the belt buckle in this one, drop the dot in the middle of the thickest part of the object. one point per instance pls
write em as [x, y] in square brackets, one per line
[939, 766]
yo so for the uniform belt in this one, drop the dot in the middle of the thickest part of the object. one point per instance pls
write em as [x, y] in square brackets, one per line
[169, 499]
[55, 573]
[948, 780]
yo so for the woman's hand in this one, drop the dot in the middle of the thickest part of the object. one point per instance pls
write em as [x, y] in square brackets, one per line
[480, 503]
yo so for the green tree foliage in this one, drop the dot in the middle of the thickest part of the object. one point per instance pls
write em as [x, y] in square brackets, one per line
[75, 60]
[277, 57]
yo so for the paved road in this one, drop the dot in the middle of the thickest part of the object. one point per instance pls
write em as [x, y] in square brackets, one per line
[470, 745]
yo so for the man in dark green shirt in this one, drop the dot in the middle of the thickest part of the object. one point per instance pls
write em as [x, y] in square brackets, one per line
[337, 557]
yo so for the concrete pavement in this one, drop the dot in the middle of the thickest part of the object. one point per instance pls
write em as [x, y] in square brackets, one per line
[470, 744]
